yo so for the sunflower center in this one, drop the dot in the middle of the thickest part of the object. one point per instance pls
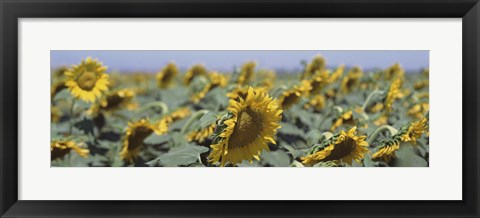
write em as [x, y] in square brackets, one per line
[113, 101]
[139, 134]
[168, 76]
[247, 128]
[316, 87]
[87, 80]
[290, 100]
[344, 148]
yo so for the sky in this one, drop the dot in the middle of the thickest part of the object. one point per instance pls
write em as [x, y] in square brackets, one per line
[153, 61]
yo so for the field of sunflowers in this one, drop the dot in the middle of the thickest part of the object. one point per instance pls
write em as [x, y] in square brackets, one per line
[249, 117]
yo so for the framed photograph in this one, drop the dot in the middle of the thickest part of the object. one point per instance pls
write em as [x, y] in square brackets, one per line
[228, 108]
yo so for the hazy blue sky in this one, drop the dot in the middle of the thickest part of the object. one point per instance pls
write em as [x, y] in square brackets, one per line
[153, 61]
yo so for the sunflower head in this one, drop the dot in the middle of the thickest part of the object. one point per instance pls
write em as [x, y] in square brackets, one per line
[57, 87]
[178, 114]
[317, 82]
[394, 92]
[113, 101]
[59, 148]
[421, 84]
[343, 147]
[377, 107]
[247, 73]
[351, 80]
[387, 149]
[246, 130]
[202, 134]
[317, 64]
[381, 120]
[414, 130]
[242, 91]
[194, 71]
[418, 110]
[335, 76]
[217, 80]
[198, 96]
[344, 118]
[88, 80]
[166, 76]
[59, 73]
[135, 133]
[394, 72]
[317, 103]
[293, 95]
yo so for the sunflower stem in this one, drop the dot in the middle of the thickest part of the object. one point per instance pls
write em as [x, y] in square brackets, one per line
[159, 104]
[70, 129]
[369, 98]
[197, 115]
[380, 129]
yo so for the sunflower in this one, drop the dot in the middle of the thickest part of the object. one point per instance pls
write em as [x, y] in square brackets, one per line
[394, 92]
[421, 84]
[178, 114]
[344, 118]
[215, 80]
[292, 96]
[386, 151]
[242, 91]
[59, 148]
[202, 134]
[88, 80]
[344, 147]
[135, 134]
[194, 71]
[246, 73]
[336, 74]
[251, 124]
[59, 73]
[198, 96]
[167, 75]
[414, 130]
[317, 103]
[394, 72]
[381, 120]
[377, 107]
[418, 110]
[114, 101]
[57, 87]
[317, 83]
[317, 64]
[351, 80]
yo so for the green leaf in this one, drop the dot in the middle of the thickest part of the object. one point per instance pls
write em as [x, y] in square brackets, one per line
[155, 139]
[407, 157]
[207, 120]
[313, 136]
[290, 129]
[278, 158]
[181, 156]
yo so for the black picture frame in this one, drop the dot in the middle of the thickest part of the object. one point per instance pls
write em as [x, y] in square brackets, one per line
[12, 10]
